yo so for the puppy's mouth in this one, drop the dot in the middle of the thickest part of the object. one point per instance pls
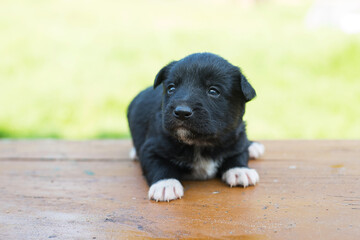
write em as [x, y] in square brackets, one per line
[184, 134]
[191, 131]
[190, 137]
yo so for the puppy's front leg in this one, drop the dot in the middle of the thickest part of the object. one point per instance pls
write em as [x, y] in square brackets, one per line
[162, 177]
[235, 171]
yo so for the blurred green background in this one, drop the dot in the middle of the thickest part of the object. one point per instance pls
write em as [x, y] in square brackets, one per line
[68, 69]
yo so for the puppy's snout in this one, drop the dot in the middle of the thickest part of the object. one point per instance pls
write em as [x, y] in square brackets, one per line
[182, 112]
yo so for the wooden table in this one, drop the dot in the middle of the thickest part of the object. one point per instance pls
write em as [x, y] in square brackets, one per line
[91, 190]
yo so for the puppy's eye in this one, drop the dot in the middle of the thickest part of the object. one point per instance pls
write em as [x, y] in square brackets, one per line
[171, 89]
[214, 92]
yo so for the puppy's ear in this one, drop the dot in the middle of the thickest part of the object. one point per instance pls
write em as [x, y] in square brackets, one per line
[247, 90]
[163, 74]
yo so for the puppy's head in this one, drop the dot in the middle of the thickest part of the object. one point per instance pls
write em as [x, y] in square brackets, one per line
[204, 98]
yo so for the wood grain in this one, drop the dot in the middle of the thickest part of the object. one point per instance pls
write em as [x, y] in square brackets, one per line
[91, 190]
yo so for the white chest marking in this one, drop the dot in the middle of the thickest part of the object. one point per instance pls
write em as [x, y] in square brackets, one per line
[203, 168]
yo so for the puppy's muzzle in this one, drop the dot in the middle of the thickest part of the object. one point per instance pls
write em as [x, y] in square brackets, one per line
[183, 112]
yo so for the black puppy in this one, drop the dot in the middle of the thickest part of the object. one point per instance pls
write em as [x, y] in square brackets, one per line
[192, 127]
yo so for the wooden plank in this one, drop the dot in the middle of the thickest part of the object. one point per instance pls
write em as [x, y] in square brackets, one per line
[64, 150]
[308, 190]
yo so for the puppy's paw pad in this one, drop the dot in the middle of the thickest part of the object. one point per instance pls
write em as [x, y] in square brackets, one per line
[256, 150]
[166, 190]
[133, 154]
[241, 177]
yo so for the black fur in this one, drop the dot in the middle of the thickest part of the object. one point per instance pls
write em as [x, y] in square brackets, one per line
[215, 128]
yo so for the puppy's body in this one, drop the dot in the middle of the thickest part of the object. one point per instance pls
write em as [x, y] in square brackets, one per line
[192, 127]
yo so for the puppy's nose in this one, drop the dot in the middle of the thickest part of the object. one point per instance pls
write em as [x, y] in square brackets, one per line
[182, 112]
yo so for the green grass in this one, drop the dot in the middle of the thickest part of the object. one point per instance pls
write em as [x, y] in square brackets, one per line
[68, 69]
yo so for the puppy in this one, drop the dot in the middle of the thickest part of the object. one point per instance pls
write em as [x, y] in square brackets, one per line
[192, 126]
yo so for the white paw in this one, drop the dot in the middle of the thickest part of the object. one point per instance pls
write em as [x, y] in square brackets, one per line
[166, 190]
[132, 154]
[256, 150]
[241, 176]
